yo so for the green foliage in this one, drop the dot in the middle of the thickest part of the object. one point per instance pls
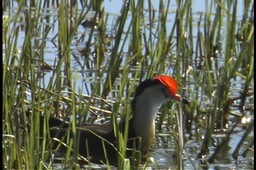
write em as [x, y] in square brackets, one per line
[206, 55]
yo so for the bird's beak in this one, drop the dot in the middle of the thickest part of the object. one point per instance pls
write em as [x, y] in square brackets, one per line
[178, 97]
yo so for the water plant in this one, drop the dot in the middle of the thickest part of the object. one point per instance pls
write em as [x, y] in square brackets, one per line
[93, 71]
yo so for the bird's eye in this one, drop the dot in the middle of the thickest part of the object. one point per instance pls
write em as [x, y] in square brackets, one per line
[165, 92]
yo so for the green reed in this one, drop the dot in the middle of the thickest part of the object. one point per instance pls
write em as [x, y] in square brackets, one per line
[141, 48]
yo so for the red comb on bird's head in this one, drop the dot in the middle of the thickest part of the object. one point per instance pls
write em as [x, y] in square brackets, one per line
[171, 84]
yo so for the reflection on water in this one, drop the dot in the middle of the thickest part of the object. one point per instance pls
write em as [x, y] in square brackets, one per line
[85, 66]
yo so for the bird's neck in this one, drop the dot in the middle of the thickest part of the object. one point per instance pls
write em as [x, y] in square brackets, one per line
[143, 120]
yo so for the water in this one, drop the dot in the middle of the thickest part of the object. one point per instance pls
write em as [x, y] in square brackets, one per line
[164, 152]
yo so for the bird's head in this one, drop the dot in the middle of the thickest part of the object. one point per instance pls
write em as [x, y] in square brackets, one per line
[170, 86]
[159, 90]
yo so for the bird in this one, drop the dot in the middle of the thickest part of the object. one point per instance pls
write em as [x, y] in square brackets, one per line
[148, 97]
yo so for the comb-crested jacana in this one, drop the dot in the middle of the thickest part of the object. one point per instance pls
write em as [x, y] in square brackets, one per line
[149, 95]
